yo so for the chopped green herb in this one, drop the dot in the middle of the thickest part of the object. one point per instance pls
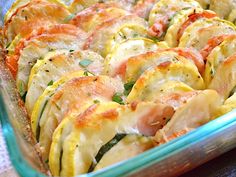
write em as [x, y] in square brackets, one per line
[118, 98]
[85, 62]
[122, 35]
[22, 88]
[212, 72]
[135, 35]
[128, 87]
[51, 50]
[232, 91]
[87, 72]
[46, 161]
[167, 120]
[50, 83]
[8, 45]
[105, 148]
[58, 107]
[68, 18]
[96, 101]
[71, 50]
[154, 39]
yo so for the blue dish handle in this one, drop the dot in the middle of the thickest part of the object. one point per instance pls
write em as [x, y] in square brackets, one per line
[4, 6]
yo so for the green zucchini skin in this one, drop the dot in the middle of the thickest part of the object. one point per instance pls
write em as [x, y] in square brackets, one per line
[104, 149]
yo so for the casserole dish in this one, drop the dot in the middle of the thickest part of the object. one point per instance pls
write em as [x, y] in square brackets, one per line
[170, 159]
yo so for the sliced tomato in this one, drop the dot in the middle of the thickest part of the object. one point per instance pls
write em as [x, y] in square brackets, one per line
[191, 19]
[159, 27]
[12, 60]
[121, 70]
[212, 43]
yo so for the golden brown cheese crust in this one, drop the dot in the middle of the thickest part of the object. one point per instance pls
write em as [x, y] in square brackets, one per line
[99, 125]
[29, 50]
[187, 117]
[74, 96]
[115, 31]
[57, 64]
[93, 16]
[33, 15]
[148, 84]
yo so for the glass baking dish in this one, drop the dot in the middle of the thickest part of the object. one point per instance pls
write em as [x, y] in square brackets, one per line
[170, 159]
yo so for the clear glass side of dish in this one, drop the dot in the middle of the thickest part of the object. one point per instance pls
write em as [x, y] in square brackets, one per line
[15, 124]
[171, 159]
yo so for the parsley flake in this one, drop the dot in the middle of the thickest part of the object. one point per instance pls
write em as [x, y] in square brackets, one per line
[128, 87]
[117, 97]
[85, 63]
[50, 83]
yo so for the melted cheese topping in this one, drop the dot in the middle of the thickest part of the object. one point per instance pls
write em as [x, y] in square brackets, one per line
[129, 48]
[74, 96]
[220, 53]
[114, 32]
[149, 82]
[198, 33]
[52, 67]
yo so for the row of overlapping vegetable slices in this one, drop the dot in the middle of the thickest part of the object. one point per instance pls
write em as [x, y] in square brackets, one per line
[99, 85]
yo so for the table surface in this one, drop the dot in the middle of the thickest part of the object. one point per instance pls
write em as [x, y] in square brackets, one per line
[223, 166]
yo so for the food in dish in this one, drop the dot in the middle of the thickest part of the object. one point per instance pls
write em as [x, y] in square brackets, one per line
[117, 77]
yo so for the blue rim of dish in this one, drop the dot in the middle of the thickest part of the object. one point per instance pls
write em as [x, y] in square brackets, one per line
[139, 162]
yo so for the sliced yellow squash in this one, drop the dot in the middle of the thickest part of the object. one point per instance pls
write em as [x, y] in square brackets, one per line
[74, 95]
[122, 52]
[198, 33]
[147, 86]
[108, 35]
[220, 53]
[45, 72]
[194, 113]
[78, 140]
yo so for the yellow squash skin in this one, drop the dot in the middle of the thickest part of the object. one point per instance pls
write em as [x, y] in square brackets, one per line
[147, 86]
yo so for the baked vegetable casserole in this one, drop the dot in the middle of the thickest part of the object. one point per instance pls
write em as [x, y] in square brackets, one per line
[103, 81]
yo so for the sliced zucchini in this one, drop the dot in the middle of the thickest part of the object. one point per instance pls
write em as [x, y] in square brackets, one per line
[97, 14]
[36, 49]
[47, 94]
[220, 53]
[129, 48]
[162, 13]
[105, 148]
[196, 112]
[52, 67]
[80, 138]
[224, 80]
[114, 32]
[75, 95]
[127, 147]
[179, 21]
[198, 33]
[34, 15]
[147, 86]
